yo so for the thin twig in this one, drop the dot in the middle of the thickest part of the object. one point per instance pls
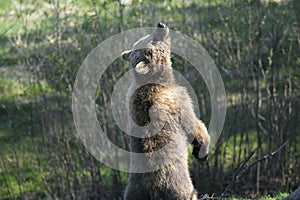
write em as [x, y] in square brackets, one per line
[260, 160]
[244, 163]
[243, 167]
[238, 170]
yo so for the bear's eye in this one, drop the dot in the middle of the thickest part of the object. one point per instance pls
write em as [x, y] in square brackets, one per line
[148, 53]
[147, 61]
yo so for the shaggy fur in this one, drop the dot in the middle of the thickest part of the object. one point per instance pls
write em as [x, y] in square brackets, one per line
[175, 121]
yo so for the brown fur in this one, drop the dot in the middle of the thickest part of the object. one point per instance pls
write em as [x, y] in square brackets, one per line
[174, 122]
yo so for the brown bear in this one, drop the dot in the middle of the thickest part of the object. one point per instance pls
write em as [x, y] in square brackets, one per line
[164, 118]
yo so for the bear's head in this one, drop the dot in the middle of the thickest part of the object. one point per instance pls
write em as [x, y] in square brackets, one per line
[150, 56]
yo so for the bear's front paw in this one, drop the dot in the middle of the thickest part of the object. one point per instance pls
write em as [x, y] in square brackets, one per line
[196, 151]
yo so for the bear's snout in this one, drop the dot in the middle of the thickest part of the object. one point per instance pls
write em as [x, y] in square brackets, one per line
[161, 33]
[161, 25]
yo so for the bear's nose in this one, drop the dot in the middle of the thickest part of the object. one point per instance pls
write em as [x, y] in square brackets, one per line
[161, 25]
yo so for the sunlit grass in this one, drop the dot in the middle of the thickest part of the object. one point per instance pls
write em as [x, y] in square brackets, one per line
[12, 89]
[5, 5]
[278, 196]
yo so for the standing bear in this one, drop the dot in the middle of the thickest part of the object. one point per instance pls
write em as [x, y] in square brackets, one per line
[163, 121]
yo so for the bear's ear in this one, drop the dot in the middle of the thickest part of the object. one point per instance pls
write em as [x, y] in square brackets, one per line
[142, 68]
[125, 55]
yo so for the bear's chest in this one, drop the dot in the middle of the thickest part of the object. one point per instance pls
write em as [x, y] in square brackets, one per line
[154, 102]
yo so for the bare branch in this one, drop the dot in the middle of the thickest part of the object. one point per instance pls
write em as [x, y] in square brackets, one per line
[244, 167]
[260, 160]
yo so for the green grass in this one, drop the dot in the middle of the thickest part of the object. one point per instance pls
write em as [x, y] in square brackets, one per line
[279, 196]
[12, 89]
[5, 5]
[21, 176]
